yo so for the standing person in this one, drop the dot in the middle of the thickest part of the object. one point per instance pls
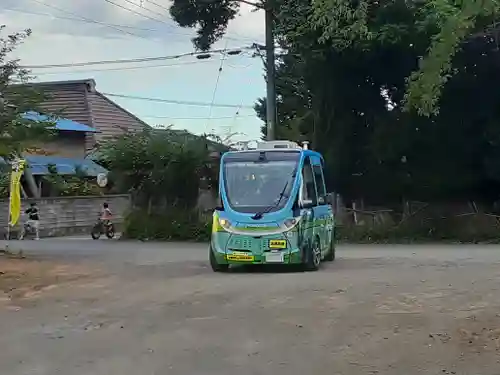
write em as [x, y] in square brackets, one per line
[33, 221]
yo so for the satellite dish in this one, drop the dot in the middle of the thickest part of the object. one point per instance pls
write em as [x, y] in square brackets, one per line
[102, 179]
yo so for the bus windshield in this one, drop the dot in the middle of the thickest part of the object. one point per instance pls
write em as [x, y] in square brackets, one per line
[253, 186]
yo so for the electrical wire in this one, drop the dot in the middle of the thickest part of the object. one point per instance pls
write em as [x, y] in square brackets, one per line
[141, 14]
[125, 61]
[158, 5]
[127, 68]
[195, 118]
[168, 10]
[77, 19]
[181, 102]
[88, 19]
[223, 57]
[106, 24]
[143, 7]
[137, 13]
[122, 69]
[239, 66]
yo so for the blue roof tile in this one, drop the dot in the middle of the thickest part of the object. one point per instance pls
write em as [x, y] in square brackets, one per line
[61, 123]
[38, 165]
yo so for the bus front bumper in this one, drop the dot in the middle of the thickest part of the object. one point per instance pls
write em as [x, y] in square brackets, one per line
[237, 249]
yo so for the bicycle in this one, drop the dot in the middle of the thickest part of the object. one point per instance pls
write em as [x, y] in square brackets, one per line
[103, 227]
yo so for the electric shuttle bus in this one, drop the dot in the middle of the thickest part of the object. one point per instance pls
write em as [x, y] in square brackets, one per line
[274, 208]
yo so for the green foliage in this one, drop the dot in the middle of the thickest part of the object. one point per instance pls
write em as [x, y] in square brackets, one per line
[157, 169]
[4, 183]
[474, 228]
[163, 172]
[365, 24]
[172, 225]
[337, 96]
[209, 16]
[78, 184]
[17, 134]
[440, 25]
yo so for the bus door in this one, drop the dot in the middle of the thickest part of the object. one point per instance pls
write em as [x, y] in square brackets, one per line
[323, 210]
[309, 202]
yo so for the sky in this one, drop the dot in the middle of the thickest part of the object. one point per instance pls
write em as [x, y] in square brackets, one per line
[60, 36]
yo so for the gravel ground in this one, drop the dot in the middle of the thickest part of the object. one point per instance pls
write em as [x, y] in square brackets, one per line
[124, 308]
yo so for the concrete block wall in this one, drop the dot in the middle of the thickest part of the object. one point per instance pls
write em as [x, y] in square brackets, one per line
[61, 216]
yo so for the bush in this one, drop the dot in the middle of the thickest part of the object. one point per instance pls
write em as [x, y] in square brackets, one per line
[473, 228]
[174, 225]
[178, 225]
[4, 184]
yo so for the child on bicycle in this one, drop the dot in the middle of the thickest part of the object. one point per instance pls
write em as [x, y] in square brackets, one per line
[106, 214]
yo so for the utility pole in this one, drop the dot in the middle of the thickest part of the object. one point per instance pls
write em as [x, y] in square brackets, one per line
[270, 76]
[271, 113]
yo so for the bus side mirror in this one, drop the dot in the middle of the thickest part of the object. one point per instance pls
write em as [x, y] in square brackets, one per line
[219, 206]
[307, 204]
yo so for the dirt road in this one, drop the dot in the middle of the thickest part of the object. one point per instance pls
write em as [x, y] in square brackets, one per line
[113, 308]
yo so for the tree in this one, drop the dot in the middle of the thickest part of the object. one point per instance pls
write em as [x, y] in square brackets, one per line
[17, 134]
[360, 23]
[210, 17]
[356, 77]
[78, 184]
[337, 93]
[157, 168]
[448, 23]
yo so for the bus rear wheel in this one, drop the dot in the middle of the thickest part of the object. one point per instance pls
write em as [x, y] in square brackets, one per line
[216, 267]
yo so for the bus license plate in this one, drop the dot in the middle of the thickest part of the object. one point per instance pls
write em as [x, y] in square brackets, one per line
[240, 257]
[277, 244]
[274, 258]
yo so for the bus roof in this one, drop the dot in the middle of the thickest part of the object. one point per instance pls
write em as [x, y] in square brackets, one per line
[298, 151]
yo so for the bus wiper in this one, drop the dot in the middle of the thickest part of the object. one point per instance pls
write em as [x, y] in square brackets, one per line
[259, 214]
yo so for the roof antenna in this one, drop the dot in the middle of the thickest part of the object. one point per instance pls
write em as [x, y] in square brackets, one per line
[305, 145]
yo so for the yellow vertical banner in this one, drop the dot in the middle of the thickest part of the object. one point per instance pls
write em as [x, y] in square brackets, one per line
[15, 191]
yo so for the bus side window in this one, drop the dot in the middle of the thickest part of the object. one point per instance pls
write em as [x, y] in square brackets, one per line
[320, 183]
[309, 190]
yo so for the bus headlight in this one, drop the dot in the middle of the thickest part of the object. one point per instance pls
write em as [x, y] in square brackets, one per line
[224, 223]
[289, 223]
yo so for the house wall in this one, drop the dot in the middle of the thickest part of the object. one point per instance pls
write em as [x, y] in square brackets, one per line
[69, 215]
[66, 144]
[110, 119]
[69, 100]
[79, 101]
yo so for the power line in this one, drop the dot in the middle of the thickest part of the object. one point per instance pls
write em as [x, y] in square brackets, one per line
[126, 61]
[147, 9]
[107, 24]
[74, 19]
[134, 68]
[158, 5]
[142, 14]
[182, 102]
[137, 13]
[143, 7]
[122, 69]
[216, 86]
[196, 118]
[225, 37]
[88, 19]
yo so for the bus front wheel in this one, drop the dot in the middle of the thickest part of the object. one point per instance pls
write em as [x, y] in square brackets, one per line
[216, 267]
[330, 257]
[312, 256]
